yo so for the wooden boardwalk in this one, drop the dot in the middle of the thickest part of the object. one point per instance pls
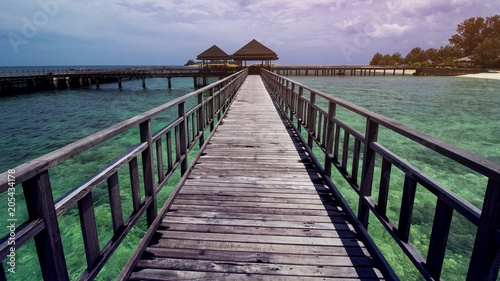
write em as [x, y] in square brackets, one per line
[255, 208]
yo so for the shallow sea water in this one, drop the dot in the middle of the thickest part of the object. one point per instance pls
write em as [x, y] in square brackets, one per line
[461, 111]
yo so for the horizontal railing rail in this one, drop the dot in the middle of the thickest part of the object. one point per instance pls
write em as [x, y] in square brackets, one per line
[179, 136]
[324, 130]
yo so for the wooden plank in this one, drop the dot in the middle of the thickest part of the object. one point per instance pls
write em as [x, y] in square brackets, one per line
[249, 222]
[260, 268]
[258, 230]
[257, 257]
[162, 275]
[249, 216]
[234, 208]
[260, 247]
[244, 187]
[233, 195]
[248, 238]
[249, 206]
[271, 198]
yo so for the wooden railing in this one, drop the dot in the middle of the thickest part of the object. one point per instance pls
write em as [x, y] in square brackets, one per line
[325, 130]
[180, 136]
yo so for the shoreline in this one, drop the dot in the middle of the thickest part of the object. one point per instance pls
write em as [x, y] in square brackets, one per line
[488, 75]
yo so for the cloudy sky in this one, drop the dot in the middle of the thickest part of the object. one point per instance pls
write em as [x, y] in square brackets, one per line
[169, 32]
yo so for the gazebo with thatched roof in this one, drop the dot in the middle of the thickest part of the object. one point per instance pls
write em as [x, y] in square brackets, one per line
[213, 53]
[255, 51]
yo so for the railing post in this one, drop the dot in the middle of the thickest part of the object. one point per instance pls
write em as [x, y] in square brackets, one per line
[212, 109]
[292, 102]
[89, 230]
[367, 172]
[300, 109]
[285, 97]
[311, 120]
[40, 204]
[148, 169]
[439, 239]
[183, 137]
[332, 109]
[201, 119]
[483, 265]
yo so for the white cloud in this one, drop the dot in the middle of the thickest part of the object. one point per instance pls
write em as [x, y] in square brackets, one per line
[389, 30]
[179, 30]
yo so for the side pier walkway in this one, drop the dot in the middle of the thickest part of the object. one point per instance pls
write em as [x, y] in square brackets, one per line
[255, 208]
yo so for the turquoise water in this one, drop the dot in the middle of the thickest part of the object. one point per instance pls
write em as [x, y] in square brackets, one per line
[38, 123]
[462, 111]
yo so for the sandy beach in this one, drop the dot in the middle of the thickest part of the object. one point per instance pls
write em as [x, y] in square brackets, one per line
[489, 75]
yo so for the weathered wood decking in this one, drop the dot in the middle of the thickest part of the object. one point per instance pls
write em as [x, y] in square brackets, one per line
[255, 208]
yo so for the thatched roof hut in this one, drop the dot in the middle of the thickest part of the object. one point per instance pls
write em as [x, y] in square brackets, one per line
[213, 53]
[255, 51]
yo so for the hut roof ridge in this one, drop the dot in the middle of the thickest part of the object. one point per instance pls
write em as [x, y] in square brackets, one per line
[214, 53]
[255, 50]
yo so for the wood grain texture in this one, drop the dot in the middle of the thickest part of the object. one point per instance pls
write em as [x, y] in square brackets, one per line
[254, 207]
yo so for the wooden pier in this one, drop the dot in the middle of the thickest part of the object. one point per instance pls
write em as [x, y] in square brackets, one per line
[254, 207]
[35, 80]
[254, 202]
[341, 70]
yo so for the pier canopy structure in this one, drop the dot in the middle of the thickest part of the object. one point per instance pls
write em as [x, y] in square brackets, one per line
[255, 51]
[213, 53]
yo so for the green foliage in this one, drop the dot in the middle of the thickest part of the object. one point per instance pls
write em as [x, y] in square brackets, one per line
[394, 59]
[487, 53]
[447, 55]
[190, 62]
[416, 56]
[376, 59]
[469, 34]
[473, 31]
[477, 37]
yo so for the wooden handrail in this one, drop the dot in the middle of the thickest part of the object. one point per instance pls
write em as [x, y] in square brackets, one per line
[289, 95]
[42, 225]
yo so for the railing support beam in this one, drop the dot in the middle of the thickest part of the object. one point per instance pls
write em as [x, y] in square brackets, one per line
[484, 264]
[148, 170]
[367, 171]
[330, 135]
[40, 204]
[183, 137]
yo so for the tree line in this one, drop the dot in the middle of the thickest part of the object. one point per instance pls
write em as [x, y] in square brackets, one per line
[476, 38]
